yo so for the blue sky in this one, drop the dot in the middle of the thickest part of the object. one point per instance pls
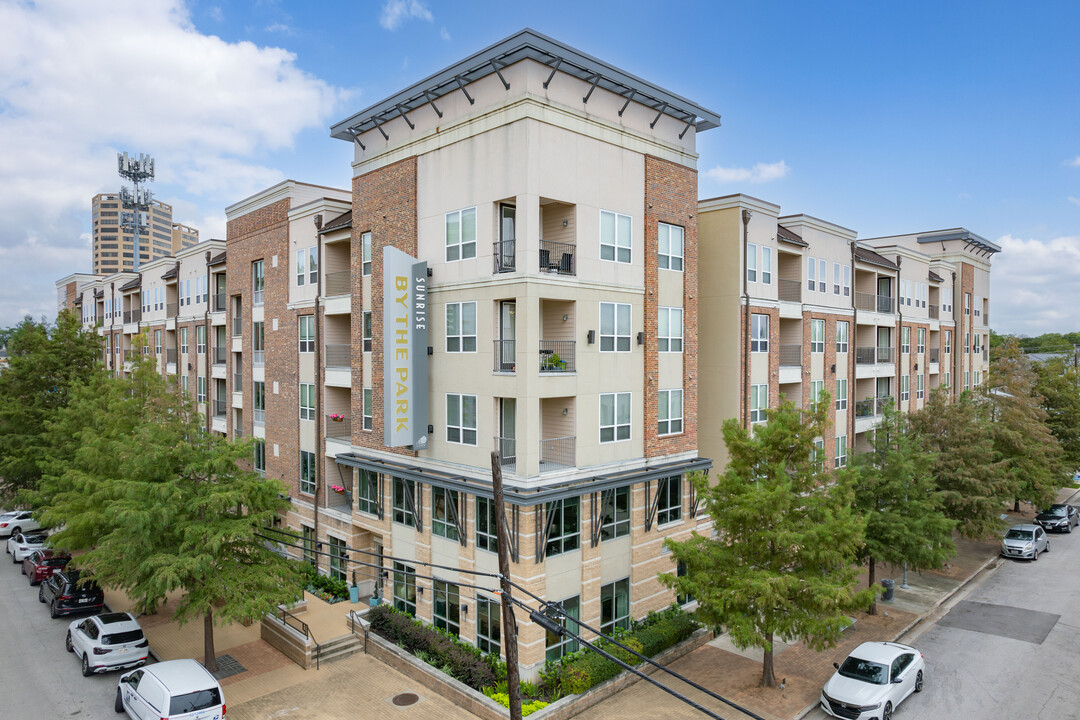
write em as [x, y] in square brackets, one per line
[879, 116]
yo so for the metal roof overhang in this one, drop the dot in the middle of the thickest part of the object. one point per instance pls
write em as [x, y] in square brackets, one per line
[519, 46]
[981, 244]
[481, 485]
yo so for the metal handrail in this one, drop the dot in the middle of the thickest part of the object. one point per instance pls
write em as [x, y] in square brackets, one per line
[285, 615]
[354, 621]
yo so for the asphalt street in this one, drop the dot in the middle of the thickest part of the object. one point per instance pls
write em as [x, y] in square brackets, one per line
[1007, 648]
[39, 678]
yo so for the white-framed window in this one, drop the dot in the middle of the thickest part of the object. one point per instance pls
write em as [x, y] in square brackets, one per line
[978, 378]
[841, 394]
[369, 412]
[488, 625]
[836, 274]
[442, 515]
[671, 412]
[817, 336]
[184, 383]
[614, 327]
[948, 342]
[819, 455]
[258, 343]
[258, 282]
[403, 501]
[615, 515]
[967, 303]
[308, 542]
[759, 402]
[921, 347]
[461, 327]
[670, 334]
[461, 419]
[486, 532]
[301, 266]
[258, 403]
[905, 340]
[816, 388]
[564, 518]
[815, 274]
[841, 451]
[945, 378]
[842, 336]
[200, 339]
[766, 265]
[446, 612]
[811, 274]
[306, 325]
[920, 386]
[338, 559]
[905, 388]
[259, 459]
[307, 472]
[307, 401]
[616, 237]
[157, 342]
[669, 500]
[967, 380]
[615, 606]
[365, 254]
[845, 281]
[461, 234]
[671, 247]
[200, 389]
[367, 331]
[751, 262]
[614, 417]
[967, 342]
[759, 333]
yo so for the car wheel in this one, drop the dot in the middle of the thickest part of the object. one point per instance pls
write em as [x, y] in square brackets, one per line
[1035, 557]
[41, 593]
[13, 559]
[1047, 548]
[86, 671]
[118, 706]
[918, 682]
[15, 531]
[52, 610]
[1068, 528]
[67, 643]
[887, 713]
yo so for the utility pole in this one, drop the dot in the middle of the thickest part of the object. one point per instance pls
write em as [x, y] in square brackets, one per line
[513, 681]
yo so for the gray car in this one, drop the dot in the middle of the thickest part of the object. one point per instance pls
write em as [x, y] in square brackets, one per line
[1025, 541]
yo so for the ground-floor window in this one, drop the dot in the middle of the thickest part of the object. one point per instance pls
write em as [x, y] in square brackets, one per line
[615, 606]
[447, 610]
[559, 645]
[309, 544]
[404, 588]
[488, 625]
[338, 558]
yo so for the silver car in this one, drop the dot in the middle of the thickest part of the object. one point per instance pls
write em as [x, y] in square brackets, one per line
[1025, 541]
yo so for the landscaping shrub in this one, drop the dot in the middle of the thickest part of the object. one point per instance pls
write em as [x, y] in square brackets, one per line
[528, 707]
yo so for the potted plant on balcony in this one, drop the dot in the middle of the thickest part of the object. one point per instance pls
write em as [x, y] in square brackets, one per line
[338, 489]
[553, 363]
[337, 417]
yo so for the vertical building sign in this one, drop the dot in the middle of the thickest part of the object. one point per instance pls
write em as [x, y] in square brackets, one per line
[405, 339]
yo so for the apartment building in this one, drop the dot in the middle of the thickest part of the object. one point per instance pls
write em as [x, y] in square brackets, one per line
[870, 322]
[114, 247]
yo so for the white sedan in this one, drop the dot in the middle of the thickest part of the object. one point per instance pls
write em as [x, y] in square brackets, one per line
[111, 641]
[16, 521]
[21, 545]
[873, 681]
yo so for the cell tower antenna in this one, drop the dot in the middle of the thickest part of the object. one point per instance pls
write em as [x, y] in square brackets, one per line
[137, 201]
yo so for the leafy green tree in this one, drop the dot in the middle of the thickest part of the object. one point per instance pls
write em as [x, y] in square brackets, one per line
[1030, 453]
[157, 504]
[1059, 385]
[783, 564]
[966, 470]
[43, 364]
[895, 493]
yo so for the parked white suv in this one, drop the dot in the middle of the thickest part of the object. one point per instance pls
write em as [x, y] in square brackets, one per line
[16, 521]
[168, 690]
[113, 641]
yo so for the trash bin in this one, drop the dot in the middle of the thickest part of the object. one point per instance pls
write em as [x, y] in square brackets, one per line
[887, 586]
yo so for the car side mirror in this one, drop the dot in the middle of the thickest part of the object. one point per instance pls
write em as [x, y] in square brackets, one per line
[836, 665]
[897, 680]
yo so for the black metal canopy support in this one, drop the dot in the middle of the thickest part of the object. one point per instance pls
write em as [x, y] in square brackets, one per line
[431, 101]
[629, 97]
[651, 503]
[549, 521]
[455, 516]
[356, 138]
[689, 124]
[514, 526]
[405, 117]
[594, 80]
[554, 69]
[659, 114]
[600, 502]
[410, 499]
[461, 84]
[498, 71]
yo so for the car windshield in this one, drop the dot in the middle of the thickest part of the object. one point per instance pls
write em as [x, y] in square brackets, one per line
[191, 702]
[1056, 511]
[1015, 534]
[864, 670]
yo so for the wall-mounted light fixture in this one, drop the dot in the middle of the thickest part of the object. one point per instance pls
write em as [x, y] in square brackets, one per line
[832, 368]
[591, 336]
[566, 317]
[565, 223]
[565, 411]
[641, 338]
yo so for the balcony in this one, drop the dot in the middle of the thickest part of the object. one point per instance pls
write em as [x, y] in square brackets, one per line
[237, 381]
[557, 356]
[170, 356]
[337, 283]
[220, 356]
[507, 449]
[257, 297]
[871, 302]
[172, 309]
[557, 453]
[872, 407]
[557, 257]
[258, 358]
[505, 256]
[933, 312]
[132, 316]
[504, 356]
[258, 418]
[985, 357]
[791, 355]
[338, 356]
[237, 326]
[790, 290]
[935, 354]
[219, 302]
[219, 408]
[340, 428]
[874, 355]
[986, 319]
[131, 356]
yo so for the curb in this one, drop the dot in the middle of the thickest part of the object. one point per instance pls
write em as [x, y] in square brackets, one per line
[995, 561]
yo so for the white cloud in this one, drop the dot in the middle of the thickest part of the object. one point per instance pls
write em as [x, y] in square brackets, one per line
[760, 173]
[279, 28]
[1075, 162]
[1074, 200]
[216, 14]
[444, 34]
[1035, 285]
[80, 81]
[395, 12]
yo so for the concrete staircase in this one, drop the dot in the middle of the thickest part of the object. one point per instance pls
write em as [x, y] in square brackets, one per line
[340, 647]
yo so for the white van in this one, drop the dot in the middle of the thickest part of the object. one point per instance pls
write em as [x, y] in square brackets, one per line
[172, 690]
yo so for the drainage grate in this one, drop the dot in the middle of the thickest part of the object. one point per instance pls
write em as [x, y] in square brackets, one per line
[405, 699]
[227, 667]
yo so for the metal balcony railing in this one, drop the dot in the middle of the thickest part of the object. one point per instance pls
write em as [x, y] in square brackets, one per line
[985, 356]
[338, 356]
[871, 407]
[237, 381]
[258, 418]
[132, 316]
[172, 309]
[935, 354]
[790, 290]
[557, 453]
[791, 355]
[933, 311]
[505, 252]
[557, 356]
[871, 302]
[865, 355]
[237, 326]
[257, 297]
[886, 355]
[337, 283]
[557, 257]
[131, 355]
[506, 447]
[338, 429]
[258, 358]
[170, 355]
[219, 408]
[504, 356]
[219, 302]
[220, 356]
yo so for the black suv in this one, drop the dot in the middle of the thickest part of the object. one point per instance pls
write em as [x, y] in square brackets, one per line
[65, 594]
